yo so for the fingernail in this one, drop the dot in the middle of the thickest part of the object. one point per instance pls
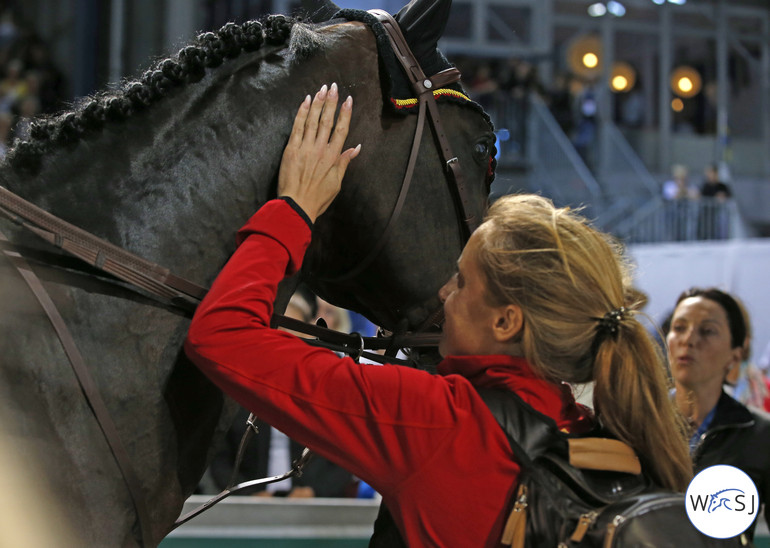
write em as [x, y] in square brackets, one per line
[349, 101]
[307, 100]
[333, 91]
[358, 148]
[322, 93]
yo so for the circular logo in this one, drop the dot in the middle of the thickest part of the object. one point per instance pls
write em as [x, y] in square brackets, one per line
[722, 501]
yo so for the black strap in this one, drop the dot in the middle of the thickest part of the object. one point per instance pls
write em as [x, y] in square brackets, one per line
[90, 391]
[529, 432]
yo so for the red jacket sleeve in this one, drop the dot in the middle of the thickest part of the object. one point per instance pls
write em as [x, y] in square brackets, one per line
[379, 422]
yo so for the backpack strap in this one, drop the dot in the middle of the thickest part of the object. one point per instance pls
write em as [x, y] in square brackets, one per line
[532, 434]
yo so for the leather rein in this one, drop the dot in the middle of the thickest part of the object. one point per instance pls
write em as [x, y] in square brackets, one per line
[183, 295]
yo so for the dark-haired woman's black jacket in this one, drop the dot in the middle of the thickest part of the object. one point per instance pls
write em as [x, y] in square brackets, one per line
[740, 437]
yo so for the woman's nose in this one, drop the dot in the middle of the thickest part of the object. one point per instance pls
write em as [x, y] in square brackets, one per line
[687, 337]
[447, 289]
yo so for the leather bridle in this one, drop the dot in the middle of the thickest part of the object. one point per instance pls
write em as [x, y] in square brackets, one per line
[423, 88]
[184, 295]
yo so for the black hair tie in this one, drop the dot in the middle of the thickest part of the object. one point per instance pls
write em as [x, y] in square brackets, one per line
[610, 323]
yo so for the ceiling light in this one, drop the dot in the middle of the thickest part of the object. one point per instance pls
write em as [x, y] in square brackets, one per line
[597, 10]
[616, 8]
[686, 81]
[590, 60]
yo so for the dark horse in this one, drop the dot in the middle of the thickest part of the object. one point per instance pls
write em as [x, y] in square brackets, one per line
[168, 167]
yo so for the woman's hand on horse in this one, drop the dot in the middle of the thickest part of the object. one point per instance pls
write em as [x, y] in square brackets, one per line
[313, 163]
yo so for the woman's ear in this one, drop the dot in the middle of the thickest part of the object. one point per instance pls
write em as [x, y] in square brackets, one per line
[737, 359]
[509, 321]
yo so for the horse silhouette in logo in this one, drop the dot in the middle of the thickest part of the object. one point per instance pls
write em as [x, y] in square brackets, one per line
[718, 501]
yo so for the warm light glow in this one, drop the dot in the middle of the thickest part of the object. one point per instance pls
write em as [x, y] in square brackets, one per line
[622, 77]
[590, 60]
[685, 84]
[619, 83]
[584, 56]
[677, 105]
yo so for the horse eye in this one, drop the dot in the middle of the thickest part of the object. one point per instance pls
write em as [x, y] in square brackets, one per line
[481, 151]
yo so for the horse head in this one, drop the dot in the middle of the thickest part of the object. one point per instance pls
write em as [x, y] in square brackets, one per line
[169, 166]
[399, 283]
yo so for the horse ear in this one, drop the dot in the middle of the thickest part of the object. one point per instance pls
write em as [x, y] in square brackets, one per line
[319, 11]
[423, 22]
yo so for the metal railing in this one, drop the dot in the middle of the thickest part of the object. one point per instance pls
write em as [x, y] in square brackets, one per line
[557, 170]
[682, 220]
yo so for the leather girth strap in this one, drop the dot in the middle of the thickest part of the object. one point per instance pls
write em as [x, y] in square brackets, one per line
[89, 388]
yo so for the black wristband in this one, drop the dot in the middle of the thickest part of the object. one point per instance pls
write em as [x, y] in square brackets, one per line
[298, 209]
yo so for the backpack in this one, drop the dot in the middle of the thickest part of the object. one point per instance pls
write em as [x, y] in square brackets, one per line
[586, 491]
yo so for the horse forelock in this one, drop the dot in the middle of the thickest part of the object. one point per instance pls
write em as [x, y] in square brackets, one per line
[306, 41]
[208, 51]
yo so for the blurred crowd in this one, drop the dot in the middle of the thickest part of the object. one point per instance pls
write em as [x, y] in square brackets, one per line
[30, 83]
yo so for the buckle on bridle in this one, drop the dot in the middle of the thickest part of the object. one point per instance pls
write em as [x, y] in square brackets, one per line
[451, 161]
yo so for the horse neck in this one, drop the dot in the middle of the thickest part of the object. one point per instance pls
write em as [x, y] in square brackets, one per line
[173, 183]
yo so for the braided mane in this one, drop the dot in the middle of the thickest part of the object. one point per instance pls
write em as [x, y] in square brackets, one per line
[208, 50]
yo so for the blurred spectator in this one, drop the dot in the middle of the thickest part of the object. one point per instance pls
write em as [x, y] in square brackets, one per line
[712, 186]
[678, 187]
[632, 109]
[26, 110]
[30, 84]
[521, 79]
[8, 30]
[50, 79]
[714, 218]
[561, 103]
[483, 86]
[6, 124]
[585, 132]
[13, 86]
[335, 317]
[681, 207]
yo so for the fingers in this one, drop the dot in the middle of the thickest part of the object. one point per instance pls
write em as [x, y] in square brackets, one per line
[298, 129]
[311, 125]
[343, 124]
[326, 122]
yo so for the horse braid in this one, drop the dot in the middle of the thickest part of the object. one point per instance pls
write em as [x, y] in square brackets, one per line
[70, 129]
[172, 70]
[208, 51]
[232, 39]
[117, 108]
[279, 29]
[252, 35]
[192, 63]
[139, 94]
[93, 115]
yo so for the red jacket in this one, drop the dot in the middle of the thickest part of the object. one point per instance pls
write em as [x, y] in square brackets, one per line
[427, 443]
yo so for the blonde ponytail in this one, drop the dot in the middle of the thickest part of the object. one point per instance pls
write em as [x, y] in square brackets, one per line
[567, 277]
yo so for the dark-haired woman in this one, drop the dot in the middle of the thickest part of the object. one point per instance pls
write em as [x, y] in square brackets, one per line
[705, 341]
[538, 301]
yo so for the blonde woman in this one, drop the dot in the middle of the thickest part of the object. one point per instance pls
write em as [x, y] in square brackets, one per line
[538, 301]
